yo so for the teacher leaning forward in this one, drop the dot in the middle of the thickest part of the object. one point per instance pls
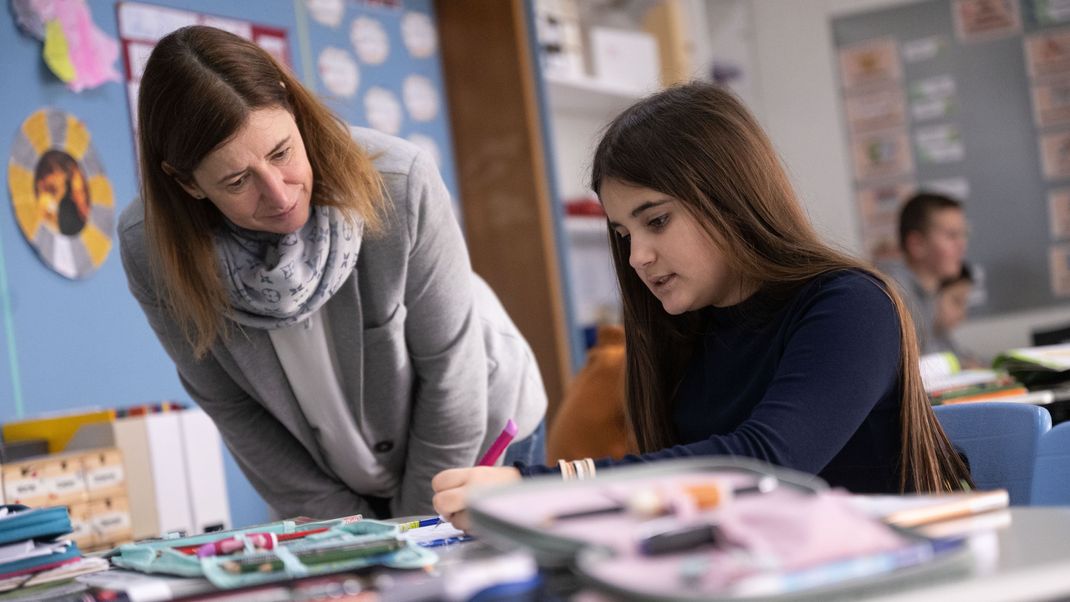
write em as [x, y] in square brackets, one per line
[313, 289]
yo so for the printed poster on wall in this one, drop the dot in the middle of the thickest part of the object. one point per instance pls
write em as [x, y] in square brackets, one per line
[1048, 53]
[871, 63]
[1059, 213]
[1051, 102]
[983, 20]
[1055, 155]
[879, 206]
[881, 154]
[142, 25]
[1060, 270]
[876, 110]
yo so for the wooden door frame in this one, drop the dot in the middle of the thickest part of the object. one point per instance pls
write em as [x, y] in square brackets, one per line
[504, 185]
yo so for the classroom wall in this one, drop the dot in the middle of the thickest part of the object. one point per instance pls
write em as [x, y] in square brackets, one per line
[74, 344]
[68, 344]
[796, 99]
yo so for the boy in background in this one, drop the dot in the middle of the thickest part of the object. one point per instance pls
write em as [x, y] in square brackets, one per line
[932, 236]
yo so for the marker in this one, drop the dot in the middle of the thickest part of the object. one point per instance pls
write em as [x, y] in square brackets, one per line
[223, 547]
[493, 453]
[499, 445]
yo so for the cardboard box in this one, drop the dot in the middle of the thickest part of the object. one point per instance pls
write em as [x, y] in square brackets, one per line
[625, 59]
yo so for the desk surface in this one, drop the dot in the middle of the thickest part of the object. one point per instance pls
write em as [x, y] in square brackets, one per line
[1027, 560]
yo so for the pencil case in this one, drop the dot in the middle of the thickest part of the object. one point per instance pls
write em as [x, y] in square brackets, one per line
[332, 546]
[710, 529]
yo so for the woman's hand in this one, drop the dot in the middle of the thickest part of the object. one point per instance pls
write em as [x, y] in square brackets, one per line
[451, 489]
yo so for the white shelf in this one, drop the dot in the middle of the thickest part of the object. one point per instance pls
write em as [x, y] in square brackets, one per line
[589, 95]
[586, 228]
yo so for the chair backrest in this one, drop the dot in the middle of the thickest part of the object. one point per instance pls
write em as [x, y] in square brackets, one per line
[1051, 474]
[1000, 440]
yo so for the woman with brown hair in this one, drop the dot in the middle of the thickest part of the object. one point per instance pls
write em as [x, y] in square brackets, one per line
[312, 287]
[746, 334]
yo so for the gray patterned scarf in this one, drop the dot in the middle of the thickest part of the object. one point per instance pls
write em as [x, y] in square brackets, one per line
[275, 280]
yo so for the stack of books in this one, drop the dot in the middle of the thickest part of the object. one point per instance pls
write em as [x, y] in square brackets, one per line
[947, 383]
[1037, 366]
[35, 546]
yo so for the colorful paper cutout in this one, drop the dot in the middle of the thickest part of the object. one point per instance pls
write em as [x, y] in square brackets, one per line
[63, 202]
[89, 52]
[57, 52]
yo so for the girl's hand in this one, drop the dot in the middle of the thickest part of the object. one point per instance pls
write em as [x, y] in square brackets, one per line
[451, 489]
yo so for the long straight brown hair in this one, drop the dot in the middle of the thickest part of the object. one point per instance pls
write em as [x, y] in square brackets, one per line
[199, 86]
[698, 144]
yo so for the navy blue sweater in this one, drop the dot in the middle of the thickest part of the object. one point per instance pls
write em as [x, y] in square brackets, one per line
[809, 382]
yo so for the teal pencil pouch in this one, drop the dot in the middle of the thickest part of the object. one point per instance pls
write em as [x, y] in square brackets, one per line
[340, 547]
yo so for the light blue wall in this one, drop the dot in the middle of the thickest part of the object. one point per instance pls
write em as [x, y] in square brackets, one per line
[85, 343]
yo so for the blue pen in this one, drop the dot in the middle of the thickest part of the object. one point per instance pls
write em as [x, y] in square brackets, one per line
[435, 543]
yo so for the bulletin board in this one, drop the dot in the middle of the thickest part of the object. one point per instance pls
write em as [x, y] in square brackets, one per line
[141, 25]
[79, 342]
[969, 98]
[377, 64]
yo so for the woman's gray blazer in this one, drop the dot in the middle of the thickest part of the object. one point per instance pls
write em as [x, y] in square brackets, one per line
[429, 361]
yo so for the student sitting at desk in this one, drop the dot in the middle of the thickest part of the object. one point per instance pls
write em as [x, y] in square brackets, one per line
[746, 334]
[932, 237]
[313, 289]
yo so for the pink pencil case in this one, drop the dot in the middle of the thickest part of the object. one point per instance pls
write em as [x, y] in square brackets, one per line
[710, 529]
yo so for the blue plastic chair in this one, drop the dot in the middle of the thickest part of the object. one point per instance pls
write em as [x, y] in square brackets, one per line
[1001, 442]
[1051, 474]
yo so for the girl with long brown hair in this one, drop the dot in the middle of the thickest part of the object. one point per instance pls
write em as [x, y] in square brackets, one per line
[746, 334]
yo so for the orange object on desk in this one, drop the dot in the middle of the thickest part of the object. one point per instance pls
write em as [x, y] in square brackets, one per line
[992, 396]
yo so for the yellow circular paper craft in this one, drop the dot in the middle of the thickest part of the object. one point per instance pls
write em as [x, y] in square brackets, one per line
[63, 202]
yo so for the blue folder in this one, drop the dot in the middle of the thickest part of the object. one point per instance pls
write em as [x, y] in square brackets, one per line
[44, 525]
[22, 523]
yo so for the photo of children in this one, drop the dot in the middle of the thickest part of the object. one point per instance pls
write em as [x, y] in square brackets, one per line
[62, 195]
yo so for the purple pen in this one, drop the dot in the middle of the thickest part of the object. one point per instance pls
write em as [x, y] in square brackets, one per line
[499, 445]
